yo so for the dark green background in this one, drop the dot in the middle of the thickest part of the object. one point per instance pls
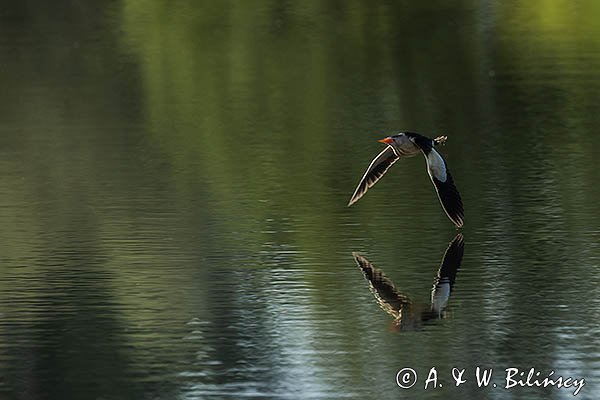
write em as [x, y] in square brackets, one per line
[174, 179]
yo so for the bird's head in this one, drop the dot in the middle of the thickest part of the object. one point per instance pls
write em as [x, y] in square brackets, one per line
[390, 140]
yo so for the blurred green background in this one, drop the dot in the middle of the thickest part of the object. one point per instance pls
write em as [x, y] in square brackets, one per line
[175, 177]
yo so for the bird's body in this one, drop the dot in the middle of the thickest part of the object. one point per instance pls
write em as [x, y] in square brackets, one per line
[407, 144]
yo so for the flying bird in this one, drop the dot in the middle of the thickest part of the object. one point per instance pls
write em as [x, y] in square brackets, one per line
[409, 315]
[407, 144]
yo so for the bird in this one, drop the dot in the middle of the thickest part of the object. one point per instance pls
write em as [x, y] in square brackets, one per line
[406, 144]
[409, 315]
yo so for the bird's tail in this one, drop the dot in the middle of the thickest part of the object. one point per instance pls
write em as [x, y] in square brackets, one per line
[440, 140]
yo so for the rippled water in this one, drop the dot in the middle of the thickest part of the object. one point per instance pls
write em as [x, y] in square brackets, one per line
[174, 187]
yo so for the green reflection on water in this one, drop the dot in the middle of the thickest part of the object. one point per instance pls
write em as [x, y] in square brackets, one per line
[160, 156]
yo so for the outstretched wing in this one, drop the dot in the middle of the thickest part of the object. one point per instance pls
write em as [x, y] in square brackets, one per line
[444, 184]
[445, 188]
[377, 168]
[388, 297]
[442, 285]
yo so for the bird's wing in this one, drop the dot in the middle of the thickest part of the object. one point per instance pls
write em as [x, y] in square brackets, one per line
[442, 286]
[388, 297]
[444, 186]
[452, 258]
[377, 168]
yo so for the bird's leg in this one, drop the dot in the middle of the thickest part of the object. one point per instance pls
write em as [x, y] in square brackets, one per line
[440, 140]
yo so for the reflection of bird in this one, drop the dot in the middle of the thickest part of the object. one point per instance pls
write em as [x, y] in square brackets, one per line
[408, 144]
[408, 315]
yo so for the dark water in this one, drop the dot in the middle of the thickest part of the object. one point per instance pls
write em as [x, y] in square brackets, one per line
[174, 186]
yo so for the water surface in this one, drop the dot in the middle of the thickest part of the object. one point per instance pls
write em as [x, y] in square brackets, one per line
[174, 187]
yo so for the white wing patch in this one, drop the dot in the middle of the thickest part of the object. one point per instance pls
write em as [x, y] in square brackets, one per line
[436, 165]
[440, 294]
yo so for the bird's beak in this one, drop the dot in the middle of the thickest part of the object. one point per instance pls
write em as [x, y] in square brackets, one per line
[387, 140]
